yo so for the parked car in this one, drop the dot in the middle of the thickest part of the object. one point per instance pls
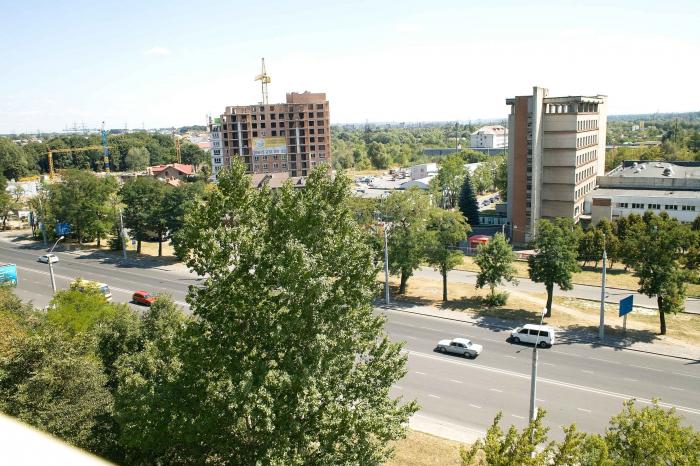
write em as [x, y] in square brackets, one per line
[460, 346]
[88, 285]
[529, 334]
[46, 258]
[143, 297]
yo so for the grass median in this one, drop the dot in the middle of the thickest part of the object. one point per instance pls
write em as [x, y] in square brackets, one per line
[419, 449]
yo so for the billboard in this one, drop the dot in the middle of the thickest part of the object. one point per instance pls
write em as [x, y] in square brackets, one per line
[8, 274]
[270, 146]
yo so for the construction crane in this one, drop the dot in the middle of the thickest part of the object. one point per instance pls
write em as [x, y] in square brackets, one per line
[50, 153]
[178, 148]
[264, 79]
[105, 150]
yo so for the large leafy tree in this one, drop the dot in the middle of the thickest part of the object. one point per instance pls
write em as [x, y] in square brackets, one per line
[408, 213]
[555, 259]
[448, 181]
[176, 203]
[446, 229]
[13, 160]
[500, 181]
[662, 269]
[143, 212]
[468, 204]
[495, 262]
[137, 158]
[286, 362]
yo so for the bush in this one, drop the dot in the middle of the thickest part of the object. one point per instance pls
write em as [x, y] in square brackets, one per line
[497, 299]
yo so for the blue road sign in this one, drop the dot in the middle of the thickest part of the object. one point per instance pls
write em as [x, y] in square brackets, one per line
[626, 305]
[62, 229]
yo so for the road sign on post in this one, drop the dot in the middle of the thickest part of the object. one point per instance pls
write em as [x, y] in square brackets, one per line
[626, 306]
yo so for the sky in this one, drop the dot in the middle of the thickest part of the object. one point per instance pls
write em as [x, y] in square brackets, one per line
[171, 63]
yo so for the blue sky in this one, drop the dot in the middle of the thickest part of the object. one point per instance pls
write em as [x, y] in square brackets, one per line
[161, 63]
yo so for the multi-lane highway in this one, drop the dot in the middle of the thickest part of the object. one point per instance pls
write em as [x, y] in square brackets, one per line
[577, 382]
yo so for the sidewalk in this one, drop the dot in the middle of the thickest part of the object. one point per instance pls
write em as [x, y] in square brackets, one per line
[670, 347]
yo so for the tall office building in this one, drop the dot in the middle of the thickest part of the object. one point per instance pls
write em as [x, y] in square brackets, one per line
[556, 150]
[291, 137]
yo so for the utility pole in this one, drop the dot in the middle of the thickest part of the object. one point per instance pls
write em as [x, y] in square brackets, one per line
[386, 263]
[43, 220]
[53, 280]
[601, 329]
[533, 376]
[121, 233]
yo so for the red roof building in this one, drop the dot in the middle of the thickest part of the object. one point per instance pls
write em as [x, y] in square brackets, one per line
[171, 171]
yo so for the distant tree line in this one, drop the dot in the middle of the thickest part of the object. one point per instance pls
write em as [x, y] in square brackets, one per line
[132, 151]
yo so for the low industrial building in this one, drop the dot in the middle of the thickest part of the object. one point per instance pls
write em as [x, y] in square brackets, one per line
[639, 186]
[489, 137]
[423, 170]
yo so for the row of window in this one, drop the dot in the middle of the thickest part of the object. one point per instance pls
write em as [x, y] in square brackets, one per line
[583, 174]
[585, 189]
[586, 157]
[587, 125]
[298, 108]
[585, 141]
[637, 205]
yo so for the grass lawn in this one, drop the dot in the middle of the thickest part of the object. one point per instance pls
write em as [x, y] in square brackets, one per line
[524, 307]
[617, 277]
[148, 248]
[419, 449]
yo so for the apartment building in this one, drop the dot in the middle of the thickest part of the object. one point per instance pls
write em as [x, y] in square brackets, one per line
[291, 137]
[489, 137]
[556, 150]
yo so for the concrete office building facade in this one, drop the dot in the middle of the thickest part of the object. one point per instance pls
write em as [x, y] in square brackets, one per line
[489, 137]
[292, 137]
[556, 150]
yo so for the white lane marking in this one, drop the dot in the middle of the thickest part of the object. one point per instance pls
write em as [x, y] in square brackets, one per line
[518, 417]
[645, 367]
[496, 390]
[419, 373]
[475, 406]
[604, 360]
[584, 410]
[559, 383]
[491, 339]
[539, 399]
[508, 356]
[430, 328]
[587, 371]
[547, 363]
[630, 379]
[677, 389]
[687, 375]
[455, 381]
[433, 396]
[410, 337]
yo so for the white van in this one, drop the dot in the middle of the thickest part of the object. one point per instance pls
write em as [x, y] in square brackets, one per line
[529, 334]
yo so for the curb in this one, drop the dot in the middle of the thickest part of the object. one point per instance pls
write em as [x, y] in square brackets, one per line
[507, 327]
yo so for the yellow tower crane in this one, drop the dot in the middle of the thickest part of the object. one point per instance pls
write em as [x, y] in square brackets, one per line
[264, 79]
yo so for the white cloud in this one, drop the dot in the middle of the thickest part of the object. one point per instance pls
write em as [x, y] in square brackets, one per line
[159, 51]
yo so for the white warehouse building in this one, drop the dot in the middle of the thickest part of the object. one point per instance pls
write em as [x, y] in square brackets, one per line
[639, 186]
[489, 137]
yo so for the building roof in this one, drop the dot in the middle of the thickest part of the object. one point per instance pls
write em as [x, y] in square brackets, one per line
[491, 129]
[183, 168]
[656, 169]
[642, 193]
[422, 183]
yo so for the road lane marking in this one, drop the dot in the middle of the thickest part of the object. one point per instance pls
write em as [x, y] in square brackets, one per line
[496, 390]
[587, 371]
[677, 389]
[547, 363]
[645, 367]
[584, 410]
[630, 379]
[419, 373]
[410, 337]
[455, 381]
[604, 360]
[475, 406]
[517, 416]
[687, 375]
[540, 400]
[559, 383]
[509, 356]
[433, 396]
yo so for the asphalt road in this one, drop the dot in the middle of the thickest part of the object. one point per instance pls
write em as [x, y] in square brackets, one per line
[576, 382]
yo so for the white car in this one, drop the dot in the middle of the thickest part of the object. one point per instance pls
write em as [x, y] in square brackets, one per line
[46, 258]
[461, 346]
[542, 335]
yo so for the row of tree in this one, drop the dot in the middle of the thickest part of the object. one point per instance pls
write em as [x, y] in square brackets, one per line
[132, 151]
[283, 361]
[91, 205]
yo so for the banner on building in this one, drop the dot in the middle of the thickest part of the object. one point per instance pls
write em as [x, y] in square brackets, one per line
[270, 146]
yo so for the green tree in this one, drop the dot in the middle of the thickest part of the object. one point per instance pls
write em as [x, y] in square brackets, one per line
[13, 161]
[408, 212]
[468, 204]
[286, 356]
[446, 229]
[661, 269]
[191, 154]
[378, 155]
[495, 262]
[500, 181]
[176, 203]
[555, 258]
[136, 159]
[143, 200]
[590, 246]
[449, 179]
[483, 177]
[6, 202]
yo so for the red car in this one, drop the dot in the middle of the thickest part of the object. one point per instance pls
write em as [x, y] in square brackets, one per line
[143, 297]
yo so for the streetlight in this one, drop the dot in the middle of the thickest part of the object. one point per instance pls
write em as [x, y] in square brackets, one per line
[601, 328]
[533, 377]
[53, 280]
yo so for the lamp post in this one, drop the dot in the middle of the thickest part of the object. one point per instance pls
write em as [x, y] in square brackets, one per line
[53, 280]
[533, 377]
[601, 329]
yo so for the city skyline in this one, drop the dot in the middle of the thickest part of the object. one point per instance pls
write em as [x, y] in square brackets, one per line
[175, 62]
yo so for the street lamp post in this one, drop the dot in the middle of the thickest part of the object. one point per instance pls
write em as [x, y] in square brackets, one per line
[53, 280]
[601, 329]
[386, 264]
[533, 377]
